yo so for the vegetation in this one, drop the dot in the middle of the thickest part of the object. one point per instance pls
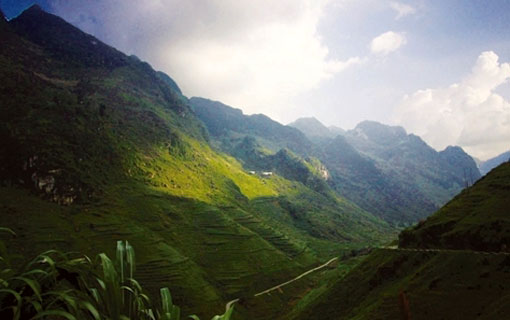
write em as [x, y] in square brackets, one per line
[466, 277]
[476, 219]
[381, 169]
[72, 286]
[97, 146]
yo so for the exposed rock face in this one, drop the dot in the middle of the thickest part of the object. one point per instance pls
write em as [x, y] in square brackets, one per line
[44, 183]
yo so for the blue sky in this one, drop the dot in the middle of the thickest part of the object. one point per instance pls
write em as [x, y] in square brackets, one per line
[437, 68]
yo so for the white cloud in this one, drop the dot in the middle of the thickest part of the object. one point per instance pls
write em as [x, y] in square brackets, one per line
[387, 42]
[255, 54]
[402, 9]
[469, 113]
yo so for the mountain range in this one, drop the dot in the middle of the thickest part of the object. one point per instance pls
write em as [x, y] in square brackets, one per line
[389, 173]
[97, 146]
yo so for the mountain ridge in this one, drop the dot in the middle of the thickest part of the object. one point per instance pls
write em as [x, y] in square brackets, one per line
[97, 147]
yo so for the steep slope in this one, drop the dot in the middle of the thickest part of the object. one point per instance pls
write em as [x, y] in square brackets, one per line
[486, 166]
[382, 169]
[360, 179]
[477, 219]
[454, 265]
[97, 147]
[433, 176]
[229, 126]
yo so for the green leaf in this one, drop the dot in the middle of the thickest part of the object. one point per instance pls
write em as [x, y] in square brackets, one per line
[56, 313]
[7, 230]
[34, 285]
[88, 306]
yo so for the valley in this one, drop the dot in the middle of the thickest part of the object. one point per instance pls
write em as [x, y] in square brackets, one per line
[296, 221]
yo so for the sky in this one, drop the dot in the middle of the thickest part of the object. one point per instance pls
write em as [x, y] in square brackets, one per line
[439, 68]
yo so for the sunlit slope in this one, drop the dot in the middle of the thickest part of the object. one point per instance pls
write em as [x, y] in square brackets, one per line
[98, 147]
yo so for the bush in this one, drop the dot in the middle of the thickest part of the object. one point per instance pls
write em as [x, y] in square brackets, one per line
[56, 285]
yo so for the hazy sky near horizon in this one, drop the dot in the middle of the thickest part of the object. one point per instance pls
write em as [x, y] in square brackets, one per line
[439, 68]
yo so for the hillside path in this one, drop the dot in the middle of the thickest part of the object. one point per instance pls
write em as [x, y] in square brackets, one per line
[393, 248]
[231, 302]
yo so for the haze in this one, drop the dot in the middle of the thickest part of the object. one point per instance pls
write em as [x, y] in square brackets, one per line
[438, 68]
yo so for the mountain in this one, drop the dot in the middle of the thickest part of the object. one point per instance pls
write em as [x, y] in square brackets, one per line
[380, 168]
[453, 265]
[433, 176]
[477, 219]
[336, 130]
[98, 147]
[312, 128]
[359, 178]
[229, 125]
[486, 166]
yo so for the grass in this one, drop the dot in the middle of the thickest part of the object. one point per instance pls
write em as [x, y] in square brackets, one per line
[451, 284]
[136, 163]
[58, 285]
[476, 219]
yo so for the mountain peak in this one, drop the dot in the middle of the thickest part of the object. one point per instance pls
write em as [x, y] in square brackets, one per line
[379, 133]
[64, 40]
[311, 127]
[35, 8]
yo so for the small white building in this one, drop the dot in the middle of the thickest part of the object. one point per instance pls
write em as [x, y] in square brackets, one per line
[267, 173]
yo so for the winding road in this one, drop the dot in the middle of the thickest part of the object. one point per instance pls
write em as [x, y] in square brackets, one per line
[393, 248]
[231, 302]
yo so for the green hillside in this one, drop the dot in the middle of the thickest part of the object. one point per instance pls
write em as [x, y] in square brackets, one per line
[454, 265]
[477, 219]
[380, 168]
[98, 147]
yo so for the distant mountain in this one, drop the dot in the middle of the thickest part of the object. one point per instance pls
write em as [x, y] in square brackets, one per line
[486, 166]
[406, 157]
[230, 126]
[312, 128]
[476, 219]
[336, 130]
[467, 277]
[360, 178]
[97, 146]
[382, 169]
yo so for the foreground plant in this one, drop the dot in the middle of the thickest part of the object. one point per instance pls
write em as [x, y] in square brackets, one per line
[55, 285]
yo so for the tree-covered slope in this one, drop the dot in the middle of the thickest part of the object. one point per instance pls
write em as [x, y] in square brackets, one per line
[454, 265]
[97, 147]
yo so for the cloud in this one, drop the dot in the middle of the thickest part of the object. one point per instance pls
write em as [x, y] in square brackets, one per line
[256, 54]
[469, 113]
[402, 9]
[387, 42]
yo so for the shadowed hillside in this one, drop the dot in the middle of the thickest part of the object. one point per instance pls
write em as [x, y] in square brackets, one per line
[454, 265]
[98, 147]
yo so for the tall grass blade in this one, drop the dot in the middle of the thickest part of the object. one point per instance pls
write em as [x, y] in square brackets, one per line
[55, 314]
